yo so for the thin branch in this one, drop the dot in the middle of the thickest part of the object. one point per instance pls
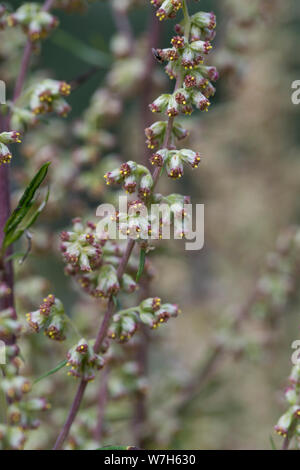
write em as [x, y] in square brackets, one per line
[102, 401]
[71, 416]
[121, 269]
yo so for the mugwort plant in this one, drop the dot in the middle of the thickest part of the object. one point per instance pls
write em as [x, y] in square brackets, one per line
[109, 271]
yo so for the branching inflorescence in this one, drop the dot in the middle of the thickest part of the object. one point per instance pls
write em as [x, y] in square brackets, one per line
[102, 266]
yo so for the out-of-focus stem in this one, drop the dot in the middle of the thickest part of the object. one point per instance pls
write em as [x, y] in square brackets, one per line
[102, 401]
[7, 268]
[71, 416]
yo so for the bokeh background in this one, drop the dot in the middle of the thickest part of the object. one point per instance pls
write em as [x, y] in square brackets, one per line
[249, 182]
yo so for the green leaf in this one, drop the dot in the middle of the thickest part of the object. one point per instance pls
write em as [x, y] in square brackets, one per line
[141, 264]
[80, 49]
[25, 213]
[52, 371]
[118, 448]
[115, 301]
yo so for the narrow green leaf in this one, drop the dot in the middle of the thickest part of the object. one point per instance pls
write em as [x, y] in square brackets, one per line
[25, 213]
[80, 49]
[26, 199]
[141, 264]
[52, 371]
[19, 254]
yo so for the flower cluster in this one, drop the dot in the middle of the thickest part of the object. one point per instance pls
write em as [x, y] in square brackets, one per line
[289, 423]
[21, 411]
[10, 137]
[133, 177]
[155, 134]
[140, 223]
[174, 160]
[185, 61]
[47, 97]
[150, 312]
[36, 23]
[22, 118]
[93, 261]
[50, 318]
[166, 8]
[80, 247]
[83, 361]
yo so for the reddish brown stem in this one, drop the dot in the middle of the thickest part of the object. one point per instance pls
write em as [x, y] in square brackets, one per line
[71, 416]
[7, 268]
[102, 401]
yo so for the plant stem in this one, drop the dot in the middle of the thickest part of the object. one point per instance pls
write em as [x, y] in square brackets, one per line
[121, 269]
[71, 416]
[97, 346]
[7, 268]
[102, 400]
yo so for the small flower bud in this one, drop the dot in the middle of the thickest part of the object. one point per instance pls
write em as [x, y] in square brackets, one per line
[108, 283]
[209, 72]
[160, 104]
[201, 46]
[286, 421]
[200, 101]
[130, 184]
[84, 362]
[146, 184]
[295, 375]
[128, 284]
[174, 165]
[204, 20]
[159, 157]
[123, 327]
[10, 137]
[155, 134]
[191, 157]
